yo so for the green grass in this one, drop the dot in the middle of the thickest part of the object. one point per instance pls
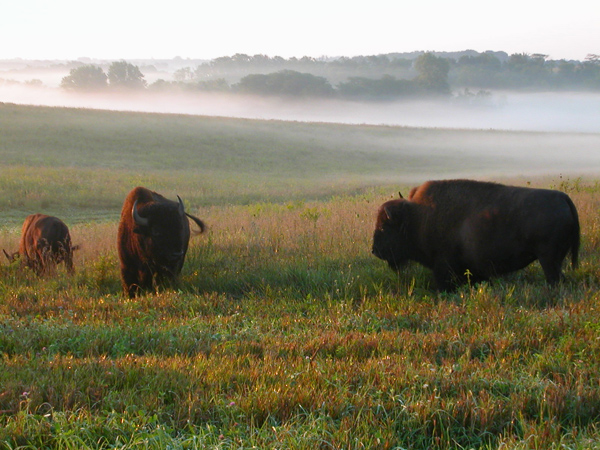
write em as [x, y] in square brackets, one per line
[80, 163]
[284, 332]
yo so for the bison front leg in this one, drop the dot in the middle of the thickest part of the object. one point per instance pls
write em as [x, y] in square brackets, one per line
[130, 282]
[37, 265]
[65, 254]
[445, 277]
[69, 265]
[449, 275]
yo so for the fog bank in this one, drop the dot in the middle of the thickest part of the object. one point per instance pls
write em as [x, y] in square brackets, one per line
[563, 112]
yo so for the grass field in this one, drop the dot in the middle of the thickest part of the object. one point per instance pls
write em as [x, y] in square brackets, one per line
[284, 331]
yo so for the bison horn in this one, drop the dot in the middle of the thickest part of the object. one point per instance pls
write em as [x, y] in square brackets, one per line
[12, 256]
[388, 213]
[139, 220]
[181, 208]
[400, 194]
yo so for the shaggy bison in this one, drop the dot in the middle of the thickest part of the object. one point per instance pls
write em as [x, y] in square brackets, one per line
[45, 242]
[153, 238]
[469, 230]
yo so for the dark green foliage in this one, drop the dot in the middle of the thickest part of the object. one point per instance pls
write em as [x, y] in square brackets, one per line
[85, 78]
[390, 76]
[385, 88]
[124, 75]
[432, 73]
[285, 83]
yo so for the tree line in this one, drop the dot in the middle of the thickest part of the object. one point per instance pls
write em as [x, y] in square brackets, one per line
[89, 77]
[372, 77]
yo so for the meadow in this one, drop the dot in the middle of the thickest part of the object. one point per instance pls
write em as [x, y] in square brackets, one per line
[284, 331]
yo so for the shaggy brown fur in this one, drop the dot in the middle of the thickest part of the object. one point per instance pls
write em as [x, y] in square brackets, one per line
[470, 230]
[152, 248]
[45, 242]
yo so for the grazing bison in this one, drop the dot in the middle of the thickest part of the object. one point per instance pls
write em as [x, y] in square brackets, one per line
[45, 242]
[153, 238]
[468, 230]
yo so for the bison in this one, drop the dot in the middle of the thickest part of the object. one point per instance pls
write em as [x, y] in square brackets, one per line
[45, 242]
[153, 238]
[467, 230]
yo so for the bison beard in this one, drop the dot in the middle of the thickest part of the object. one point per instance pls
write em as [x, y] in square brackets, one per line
[468, 230]
[45, 242]
[153, 239]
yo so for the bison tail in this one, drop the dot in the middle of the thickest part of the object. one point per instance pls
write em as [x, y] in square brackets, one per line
[200, 223]
[575, 237]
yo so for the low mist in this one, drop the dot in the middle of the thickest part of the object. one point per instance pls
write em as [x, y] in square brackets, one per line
[566, 127]
[561, 112]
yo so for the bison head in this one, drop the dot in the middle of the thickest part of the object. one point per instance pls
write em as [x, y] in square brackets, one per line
[393, 240]
[165, 229]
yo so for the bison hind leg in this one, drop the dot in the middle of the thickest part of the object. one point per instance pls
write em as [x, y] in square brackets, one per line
[551, 261]
[552, 268]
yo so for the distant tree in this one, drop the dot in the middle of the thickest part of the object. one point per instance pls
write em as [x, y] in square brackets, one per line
[482, 60]
[590, 72]
[592, 58]
[122, 74]
[34, 82]
[286, 82]
[184, 74]
[385, 88]
[85, 78]
[528, 71]
[216, 85]
[482, 70]
[432, 73]
[160, 85]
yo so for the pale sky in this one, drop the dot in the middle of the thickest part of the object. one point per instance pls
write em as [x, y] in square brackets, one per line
[206, 29]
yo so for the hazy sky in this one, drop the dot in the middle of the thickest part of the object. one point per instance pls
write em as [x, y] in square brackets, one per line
[205, 29]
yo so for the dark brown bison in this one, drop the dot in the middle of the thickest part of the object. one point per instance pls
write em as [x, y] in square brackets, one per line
[45, 242]
[153, 238]
[469, 230]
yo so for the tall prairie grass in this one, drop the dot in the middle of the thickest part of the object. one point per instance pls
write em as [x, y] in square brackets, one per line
[285, 332]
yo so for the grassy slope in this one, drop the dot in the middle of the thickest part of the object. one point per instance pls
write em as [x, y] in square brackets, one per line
[71, 161]
[285, 332]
